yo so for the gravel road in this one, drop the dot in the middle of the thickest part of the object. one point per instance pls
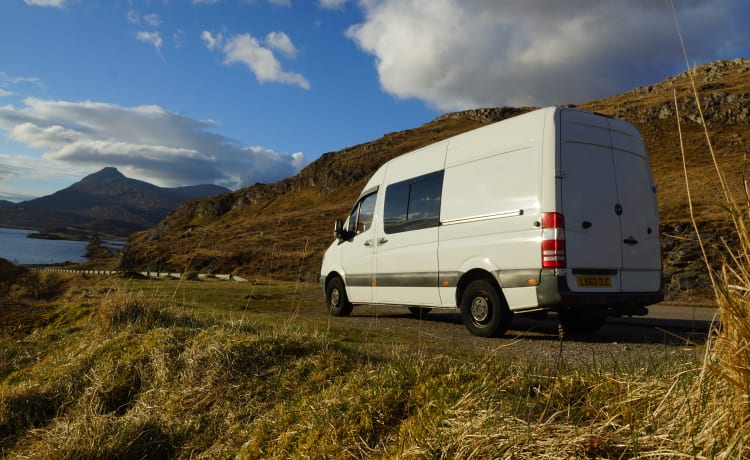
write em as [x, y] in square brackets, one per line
[677, 331]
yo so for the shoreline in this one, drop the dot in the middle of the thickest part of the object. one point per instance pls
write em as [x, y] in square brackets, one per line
[73, 235]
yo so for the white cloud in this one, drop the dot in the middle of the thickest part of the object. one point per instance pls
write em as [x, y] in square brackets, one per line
[53, 3]
[11, 85]
[331, 4]
[456, 55]
[212, 41]
[280, 42]
[153, 38]
[145, 142]
[260, 60]
[152, 19]
[13, 80]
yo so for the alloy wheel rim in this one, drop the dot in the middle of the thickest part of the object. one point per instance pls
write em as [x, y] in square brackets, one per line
[480, 309]
[335, 298]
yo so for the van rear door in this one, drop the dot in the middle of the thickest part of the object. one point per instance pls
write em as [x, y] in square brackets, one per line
[609, 205]
[641, 251]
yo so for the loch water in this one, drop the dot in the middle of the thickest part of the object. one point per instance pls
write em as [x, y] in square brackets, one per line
[17, 248]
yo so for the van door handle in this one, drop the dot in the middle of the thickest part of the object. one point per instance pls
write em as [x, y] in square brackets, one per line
[369, 243]
[631, 241]
[382, 240]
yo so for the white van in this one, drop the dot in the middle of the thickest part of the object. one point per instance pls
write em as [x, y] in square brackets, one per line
[553, 210]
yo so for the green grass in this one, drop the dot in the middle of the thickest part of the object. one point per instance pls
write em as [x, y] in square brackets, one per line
[156, 369]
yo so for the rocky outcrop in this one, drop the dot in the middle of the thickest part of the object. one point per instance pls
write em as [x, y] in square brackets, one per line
[722, 88]
[487, 114]
[686, 276]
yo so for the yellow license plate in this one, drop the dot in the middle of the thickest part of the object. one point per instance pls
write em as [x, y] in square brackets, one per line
[594, 281]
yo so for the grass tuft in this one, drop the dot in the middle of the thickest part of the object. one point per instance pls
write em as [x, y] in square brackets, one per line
[132, 308]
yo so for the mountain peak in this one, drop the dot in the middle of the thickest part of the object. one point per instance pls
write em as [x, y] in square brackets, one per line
[105, 201]
[109, 172]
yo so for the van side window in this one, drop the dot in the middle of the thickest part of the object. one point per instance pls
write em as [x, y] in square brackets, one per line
[413, 204]
[360, 219]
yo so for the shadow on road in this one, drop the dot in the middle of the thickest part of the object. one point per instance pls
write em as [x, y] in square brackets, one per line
[640, 330]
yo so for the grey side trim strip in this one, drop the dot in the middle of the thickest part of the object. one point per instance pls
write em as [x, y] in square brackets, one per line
[507, 279]
[359, 280]
[426, 279]
[496, 215]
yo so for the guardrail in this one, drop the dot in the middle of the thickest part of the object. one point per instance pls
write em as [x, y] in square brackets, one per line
[146, 274]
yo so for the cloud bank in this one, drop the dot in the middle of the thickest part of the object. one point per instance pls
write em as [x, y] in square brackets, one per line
[455, 55]
[145, 142]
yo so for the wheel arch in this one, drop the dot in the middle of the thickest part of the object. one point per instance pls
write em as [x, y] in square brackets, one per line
[477, 274]
[331, 275]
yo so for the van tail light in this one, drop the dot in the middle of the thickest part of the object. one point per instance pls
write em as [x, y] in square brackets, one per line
[553, 240]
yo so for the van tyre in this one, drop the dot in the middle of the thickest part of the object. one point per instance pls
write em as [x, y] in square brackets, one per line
[336, 300]
[483, 312]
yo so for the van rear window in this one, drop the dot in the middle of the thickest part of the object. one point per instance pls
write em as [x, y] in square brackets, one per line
[413, 204]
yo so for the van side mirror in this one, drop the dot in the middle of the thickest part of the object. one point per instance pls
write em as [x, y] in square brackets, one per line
[338, 230]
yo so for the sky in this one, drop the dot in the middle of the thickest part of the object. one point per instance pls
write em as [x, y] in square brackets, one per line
[235, 92]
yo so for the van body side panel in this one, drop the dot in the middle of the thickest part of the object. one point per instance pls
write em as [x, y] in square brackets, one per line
[491, 199]
[521, 298]
[407, 269]
[357, 256]
[406, 266]
[359, 262]
[551, 184]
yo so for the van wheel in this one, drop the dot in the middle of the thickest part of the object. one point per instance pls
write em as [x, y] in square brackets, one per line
[576, 323]
[336, 300]
[483, 312]
[419, 312]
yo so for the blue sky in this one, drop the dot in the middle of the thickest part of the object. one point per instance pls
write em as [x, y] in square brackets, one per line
[233, 92]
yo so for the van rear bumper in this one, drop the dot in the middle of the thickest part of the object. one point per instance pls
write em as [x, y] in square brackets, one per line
[553, 294]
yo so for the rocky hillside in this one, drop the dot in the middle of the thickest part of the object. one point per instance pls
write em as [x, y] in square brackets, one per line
[282, 229]
[104, 202]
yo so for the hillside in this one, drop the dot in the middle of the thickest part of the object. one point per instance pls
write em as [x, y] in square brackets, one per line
[104, 202]
[281, 230]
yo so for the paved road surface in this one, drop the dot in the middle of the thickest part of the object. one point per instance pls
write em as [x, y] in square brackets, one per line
[670, 315]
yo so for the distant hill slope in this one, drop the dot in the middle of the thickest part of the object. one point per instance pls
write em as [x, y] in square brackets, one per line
[282, 229]
[104, 202]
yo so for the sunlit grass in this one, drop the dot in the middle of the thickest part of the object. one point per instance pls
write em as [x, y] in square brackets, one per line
[221, 369]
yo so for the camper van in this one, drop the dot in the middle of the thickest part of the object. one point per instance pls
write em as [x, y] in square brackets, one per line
[552, 210]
